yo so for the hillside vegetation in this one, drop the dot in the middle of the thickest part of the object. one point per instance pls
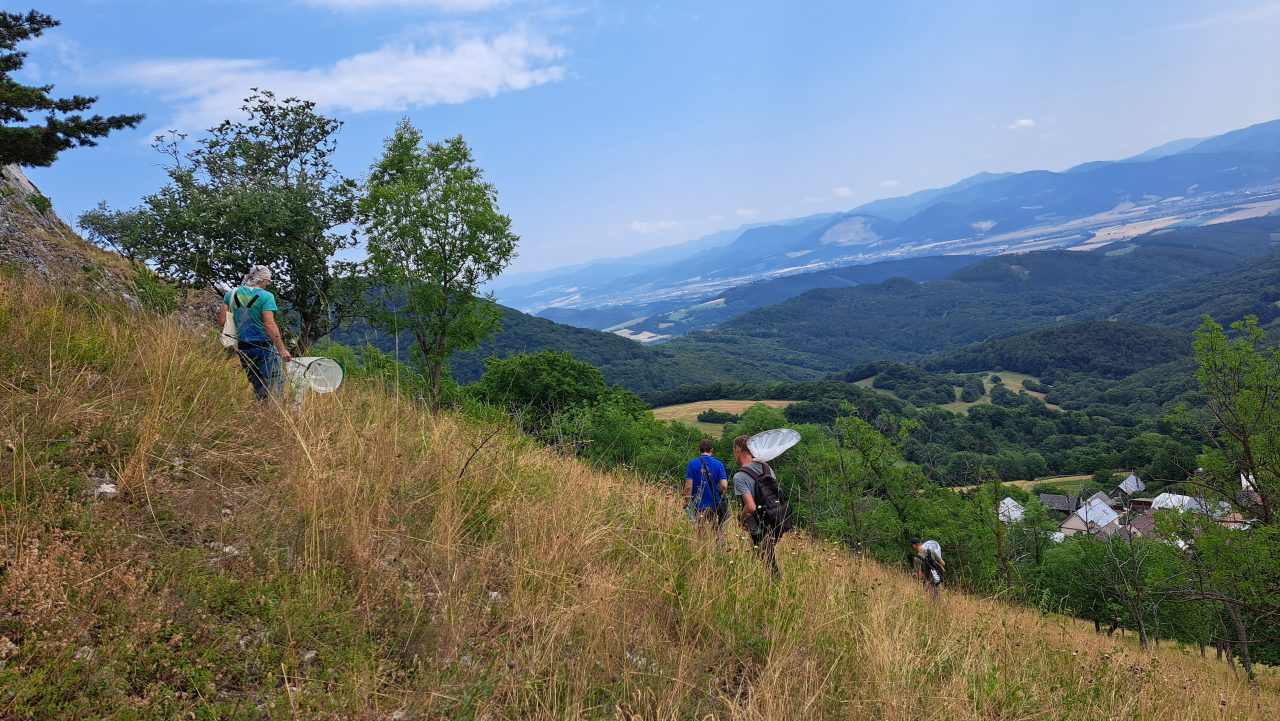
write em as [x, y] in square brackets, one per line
[359, 558]
[1101, 348]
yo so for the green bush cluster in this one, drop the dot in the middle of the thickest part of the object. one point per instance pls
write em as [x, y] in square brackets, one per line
[712, 415]
[154, 293]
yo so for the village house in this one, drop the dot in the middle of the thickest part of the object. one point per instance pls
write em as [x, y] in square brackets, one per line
[1095, 516]
[1010, 511]
[1060, 503]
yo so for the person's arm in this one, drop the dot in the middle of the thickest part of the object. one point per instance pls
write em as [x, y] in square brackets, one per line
[744, 487]
[273, 330]
[688, 490]
[222, 315]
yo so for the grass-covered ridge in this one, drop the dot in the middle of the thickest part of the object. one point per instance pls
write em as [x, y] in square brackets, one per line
[362, 557]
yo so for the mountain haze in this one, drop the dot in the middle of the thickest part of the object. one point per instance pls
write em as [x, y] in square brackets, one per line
[831, 329]
[1188, 182]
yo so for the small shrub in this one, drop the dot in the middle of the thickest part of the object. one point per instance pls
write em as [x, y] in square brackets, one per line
[153, 292]
[40, 202]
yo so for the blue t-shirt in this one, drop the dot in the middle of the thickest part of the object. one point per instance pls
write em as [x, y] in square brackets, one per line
[707, 495]
[247, 312]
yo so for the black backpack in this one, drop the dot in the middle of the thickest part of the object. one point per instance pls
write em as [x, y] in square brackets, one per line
[772, 510]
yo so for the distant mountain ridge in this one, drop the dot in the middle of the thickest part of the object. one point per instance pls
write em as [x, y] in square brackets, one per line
[833, 329]
[1185, 182]
[743, 298]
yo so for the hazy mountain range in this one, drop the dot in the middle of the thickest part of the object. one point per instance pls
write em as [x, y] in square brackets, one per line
[654, 295]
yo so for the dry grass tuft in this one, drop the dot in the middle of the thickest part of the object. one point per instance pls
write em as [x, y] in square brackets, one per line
[358, 556]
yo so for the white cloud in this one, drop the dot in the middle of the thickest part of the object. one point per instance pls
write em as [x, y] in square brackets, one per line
[1022, 124]
[647, 227]
[746, 212]
[457, 6]
[391, 78]
[842, 192]
[888, 184]
[52, 57]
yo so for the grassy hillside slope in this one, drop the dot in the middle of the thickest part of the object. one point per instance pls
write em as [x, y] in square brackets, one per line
[360, 558]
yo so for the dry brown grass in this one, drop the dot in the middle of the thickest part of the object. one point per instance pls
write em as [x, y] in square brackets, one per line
[454, 569]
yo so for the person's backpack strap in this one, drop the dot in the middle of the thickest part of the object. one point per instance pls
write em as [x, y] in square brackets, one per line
[235, 299]
[705, 480]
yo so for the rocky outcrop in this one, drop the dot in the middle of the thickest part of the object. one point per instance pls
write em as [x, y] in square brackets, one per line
[33, 239]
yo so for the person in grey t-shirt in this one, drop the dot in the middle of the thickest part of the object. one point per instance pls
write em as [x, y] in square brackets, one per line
[763, 539]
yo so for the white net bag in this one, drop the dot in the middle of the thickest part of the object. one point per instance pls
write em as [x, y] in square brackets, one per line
[769, 445]
[318, 375]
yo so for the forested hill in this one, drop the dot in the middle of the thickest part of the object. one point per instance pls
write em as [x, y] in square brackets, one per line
[1108, 349]
[1252, 289]
[831, 330]
[740, 299]
[623, 362]
[522, 333]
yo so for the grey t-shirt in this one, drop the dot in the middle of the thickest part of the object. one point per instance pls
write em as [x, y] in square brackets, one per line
[743, 483]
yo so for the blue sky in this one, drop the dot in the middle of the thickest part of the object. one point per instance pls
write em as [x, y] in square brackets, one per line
[614, 127]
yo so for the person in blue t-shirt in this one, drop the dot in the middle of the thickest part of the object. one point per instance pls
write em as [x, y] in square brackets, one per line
[261, 346]
[705, 487]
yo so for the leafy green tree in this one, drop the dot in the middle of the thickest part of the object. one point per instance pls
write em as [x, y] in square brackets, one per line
[1233, 571]
[880, 466]
[822, 412]
[617, 430]
[712, 415]
[39, 144]
[538, 386]
[1104, 480]
[434, 236]
[1240, 377]
[1033, 535]
[1073, 579]
[262, 190]
[972, 390]
[1233, 547]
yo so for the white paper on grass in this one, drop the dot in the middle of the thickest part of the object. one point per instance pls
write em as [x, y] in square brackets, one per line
[769, 445]
[320, 375]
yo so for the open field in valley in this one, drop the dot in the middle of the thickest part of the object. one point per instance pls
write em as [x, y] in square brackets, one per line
[688, 412]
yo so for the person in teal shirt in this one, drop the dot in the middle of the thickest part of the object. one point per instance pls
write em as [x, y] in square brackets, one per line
[261, 347]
